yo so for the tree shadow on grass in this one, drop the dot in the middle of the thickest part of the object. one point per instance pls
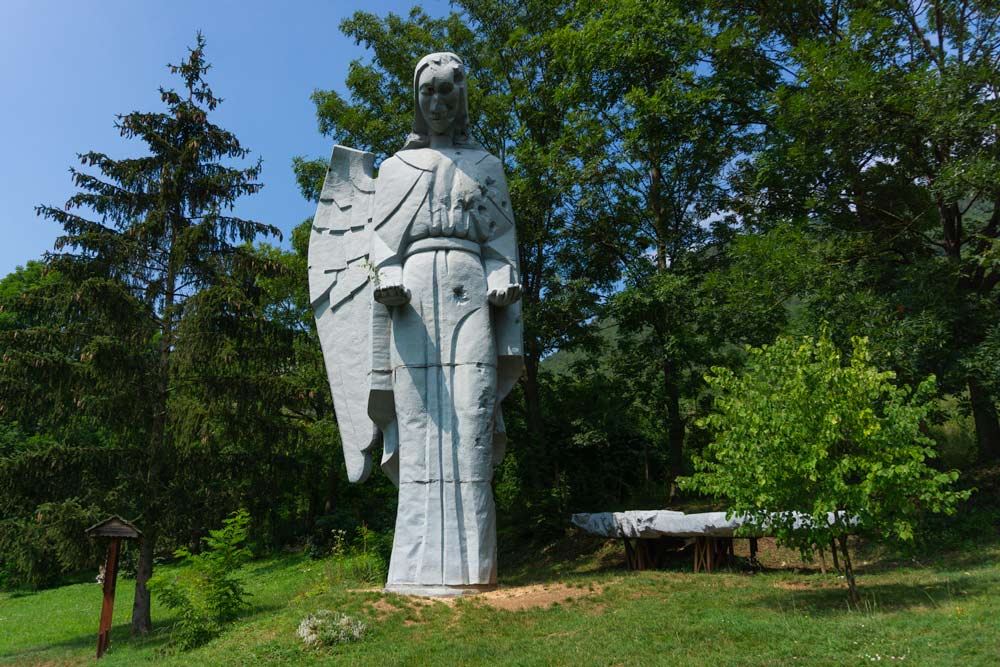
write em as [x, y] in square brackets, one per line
[832, 599]
[952, 561]
[159, 640]
[273, 565]
[87, 643]
[565, 559]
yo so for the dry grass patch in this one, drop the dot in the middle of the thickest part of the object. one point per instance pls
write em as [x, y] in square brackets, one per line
[535, 596]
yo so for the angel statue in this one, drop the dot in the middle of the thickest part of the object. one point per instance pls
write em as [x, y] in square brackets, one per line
[413, 278]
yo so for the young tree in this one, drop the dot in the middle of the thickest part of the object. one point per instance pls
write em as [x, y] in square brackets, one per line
[813, 449]
[145, 241]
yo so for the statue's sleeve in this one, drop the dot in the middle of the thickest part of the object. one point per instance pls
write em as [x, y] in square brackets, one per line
[500, 251]
[502, 269]
[400, 191]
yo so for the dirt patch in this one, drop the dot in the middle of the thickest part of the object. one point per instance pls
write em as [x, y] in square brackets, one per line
[430, 602]
[519, 598]
[383, 608]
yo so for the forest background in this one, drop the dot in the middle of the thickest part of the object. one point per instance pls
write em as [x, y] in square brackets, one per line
[688, 179]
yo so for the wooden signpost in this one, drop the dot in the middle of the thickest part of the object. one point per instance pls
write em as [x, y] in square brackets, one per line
[117, 529]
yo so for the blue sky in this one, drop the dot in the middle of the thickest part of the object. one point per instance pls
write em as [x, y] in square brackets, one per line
[67, 68]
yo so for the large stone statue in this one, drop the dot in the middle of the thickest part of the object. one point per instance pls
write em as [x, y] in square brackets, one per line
[413, 278]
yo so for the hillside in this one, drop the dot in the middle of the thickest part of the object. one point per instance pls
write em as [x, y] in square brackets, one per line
[561, 608]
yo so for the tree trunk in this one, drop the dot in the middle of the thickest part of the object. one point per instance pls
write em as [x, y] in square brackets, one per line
[142, 622]
[157, 453]
[332, 488]
[675, 425]
[984, 411]
[849, 571]
[537, 457]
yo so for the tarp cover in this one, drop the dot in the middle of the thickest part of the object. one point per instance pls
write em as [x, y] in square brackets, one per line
[657, 523]
[666, 523]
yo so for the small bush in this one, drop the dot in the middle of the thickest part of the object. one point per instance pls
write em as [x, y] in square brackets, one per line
[362, 562]
[359, 568]
[326, 628]
[204, 591]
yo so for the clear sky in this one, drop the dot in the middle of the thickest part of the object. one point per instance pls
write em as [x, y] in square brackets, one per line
[67, 67]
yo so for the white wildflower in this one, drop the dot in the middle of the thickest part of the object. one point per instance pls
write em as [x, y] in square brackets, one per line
[326, 628]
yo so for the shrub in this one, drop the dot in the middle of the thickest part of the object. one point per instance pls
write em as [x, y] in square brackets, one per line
[204, 591]
[326, 628]
[812, 448]
[363, 561]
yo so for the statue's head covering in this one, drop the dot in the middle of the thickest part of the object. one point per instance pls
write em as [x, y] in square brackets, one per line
[420, 135]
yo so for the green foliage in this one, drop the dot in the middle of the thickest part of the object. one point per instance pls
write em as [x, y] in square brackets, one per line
[159, 365]
[206, 592]
[812, 448]
[665, 99]
[39, 549]
[880, 135]
[52, 487]
[954, 432]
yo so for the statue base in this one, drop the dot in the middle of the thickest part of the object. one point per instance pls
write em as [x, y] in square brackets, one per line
[432, 591]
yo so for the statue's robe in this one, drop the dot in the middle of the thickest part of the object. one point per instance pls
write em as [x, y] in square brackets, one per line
[443, 228]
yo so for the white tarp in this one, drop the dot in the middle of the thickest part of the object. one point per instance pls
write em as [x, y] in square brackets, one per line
[656, 523]
[666, 523]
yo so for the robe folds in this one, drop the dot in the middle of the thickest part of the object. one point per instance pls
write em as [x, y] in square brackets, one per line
[442, 364]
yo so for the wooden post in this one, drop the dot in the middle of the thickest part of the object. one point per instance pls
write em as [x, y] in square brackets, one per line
[725, 550]
[753, 549]
[642, 551]
[704, 553]
[833, 550]
[117, 529]
[107, 609]
[630, 560]
[698, 550]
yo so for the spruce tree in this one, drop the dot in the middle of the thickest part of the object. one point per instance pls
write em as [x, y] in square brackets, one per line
[143, 238]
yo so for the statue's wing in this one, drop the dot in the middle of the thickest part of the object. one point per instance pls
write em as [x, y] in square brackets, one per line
[340, 291]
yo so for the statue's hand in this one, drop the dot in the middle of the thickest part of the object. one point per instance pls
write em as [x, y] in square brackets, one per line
[392, 295]
[505, 296]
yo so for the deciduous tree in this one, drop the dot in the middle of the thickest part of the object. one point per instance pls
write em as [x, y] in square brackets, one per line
[812, 447]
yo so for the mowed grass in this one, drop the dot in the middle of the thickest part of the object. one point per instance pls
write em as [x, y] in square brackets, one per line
[575, 612]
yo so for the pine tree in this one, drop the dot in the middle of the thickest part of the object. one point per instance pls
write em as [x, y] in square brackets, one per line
[142, 238]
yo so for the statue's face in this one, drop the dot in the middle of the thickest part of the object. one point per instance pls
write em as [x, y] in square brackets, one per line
[438, 92]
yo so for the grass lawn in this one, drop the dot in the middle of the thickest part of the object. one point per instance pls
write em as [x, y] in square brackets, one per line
[580, 611]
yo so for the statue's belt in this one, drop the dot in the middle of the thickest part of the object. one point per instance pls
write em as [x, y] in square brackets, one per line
[443, 243]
